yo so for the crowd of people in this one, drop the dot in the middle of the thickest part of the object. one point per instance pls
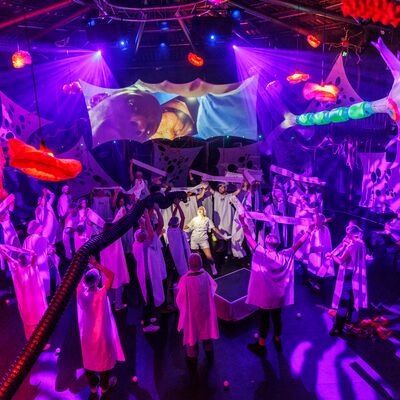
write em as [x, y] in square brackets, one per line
[170, 252]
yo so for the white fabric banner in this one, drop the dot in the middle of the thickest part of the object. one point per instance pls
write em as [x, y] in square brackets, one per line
[234, 158]
[175, 162]
[92, 174]
[15, 119]
[381, 182]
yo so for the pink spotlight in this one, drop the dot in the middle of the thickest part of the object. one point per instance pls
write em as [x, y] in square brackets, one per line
[234, 47]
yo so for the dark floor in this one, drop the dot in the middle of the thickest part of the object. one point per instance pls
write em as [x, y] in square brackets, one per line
[312, 364]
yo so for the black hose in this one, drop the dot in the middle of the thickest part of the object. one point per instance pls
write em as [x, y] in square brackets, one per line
[21, 366]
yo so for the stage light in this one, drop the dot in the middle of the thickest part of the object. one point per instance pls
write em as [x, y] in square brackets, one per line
[164, 25]
[98, 53]
[92, 22]
[236, 14]
[163, 44]
[21, 58]
[195, 60]
[344, 53]
[123, 44]
[212, 37]
[313, 41]
[234, 47]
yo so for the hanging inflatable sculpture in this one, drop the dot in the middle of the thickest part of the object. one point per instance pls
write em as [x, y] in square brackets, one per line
[364, 109]
[41, 164]
[297, 77]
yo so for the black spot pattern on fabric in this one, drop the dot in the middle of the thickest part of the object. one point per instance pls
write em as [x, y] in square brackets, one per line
[97, 178]
[249, 164]
[6, 123]
[378, 172]
[378, 192]
[18, 130]
[22, 118]
[11, 107]
[352, 99]
[373, 177]
[170, 169]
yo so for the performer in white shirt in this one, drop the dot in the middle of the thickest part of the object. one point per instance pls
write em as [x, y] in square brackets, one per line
[199, 227]
[101, 347]
[271, 284]
[198, 316]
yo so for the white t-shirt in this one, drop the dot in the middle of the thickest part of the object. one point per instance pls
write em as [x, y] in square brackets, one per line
[200, 226]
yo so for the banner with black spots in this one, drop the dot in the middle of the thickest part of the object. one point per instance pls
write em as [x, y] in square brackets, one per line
[92, 174]
[381, 182]
[17, 122]
[176, 162]
[234, 158]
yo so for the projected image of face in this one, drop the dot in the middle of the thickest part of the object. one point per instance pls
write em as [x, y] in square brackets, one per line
[126, 114]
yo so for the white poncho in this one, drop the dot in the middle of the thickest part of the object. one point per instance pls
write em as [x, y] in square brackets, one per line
[101, 347]
[271, 279]
[195, 300]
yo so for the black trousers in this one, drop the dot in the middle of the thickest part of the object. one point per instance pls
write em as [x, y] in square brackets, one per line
[149, 309]
[276, 315]
[94, 380]
[346, 302]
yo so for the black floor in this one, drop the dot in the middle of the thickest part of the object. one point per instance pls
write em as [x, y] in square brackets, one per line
[312, 364]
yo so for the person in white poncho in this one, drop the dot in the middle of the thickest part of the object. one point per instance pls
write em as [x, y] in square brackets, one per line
[101, 347]
[28, 285]
[198, 316]
[271, 284]
[351, 283]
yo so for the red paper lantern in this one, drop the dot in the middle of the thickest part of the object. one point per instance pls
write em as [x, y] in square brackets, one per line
[21, 58]
[41, 164]
[298, 77]
[195, 60]
[323, 93]
[313, 41]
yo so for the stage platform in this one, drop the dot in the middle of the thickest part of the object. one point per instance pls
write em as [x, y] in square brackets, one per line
[230, 298]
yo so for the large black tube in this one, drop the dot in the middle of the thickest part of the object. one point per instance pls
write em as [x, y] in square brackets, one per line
[21, 366]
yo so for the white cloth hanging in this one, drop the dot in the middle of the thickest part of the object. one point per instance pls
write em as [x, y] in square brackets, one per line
[179, 248]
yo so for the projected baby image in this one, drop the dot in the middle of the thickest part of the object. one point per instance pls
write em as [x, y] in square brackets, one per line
[176, 121]
[125, 114]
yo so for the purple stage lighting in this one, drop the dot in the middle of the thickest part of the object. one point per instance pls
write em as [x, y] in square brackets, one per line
[98, 53]
[234, 47]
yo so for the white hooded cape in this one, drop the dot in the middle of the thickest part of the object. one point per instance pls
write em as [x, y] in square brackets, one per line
[195, 300]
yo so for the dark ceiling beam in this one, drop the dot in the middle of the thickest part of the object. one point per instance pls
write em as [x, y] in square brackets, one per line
[320, 12]
[62, 23]
[265, 17]
[35, 13]
[185, 30]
